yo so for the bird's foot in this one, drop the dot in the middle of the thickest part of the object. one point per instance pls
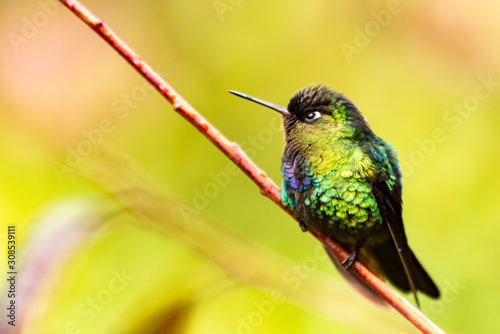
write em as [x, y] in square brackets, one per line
[349, 260]
[303, 226]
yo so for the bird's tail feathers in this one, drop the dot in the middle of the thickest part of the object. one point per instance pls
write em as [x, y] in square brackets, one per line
[391, 266]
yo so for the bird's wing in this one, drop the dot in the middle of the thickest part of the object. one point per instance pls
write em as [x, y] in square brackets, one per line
[387, 191]
[389, 203]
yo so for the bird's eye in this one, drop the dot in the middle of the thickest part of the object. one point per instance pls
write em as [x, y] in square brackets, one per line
[312, 116]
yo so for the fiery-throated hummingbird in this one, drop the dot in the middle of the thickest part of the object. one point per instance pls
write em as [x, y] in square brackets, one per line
[343, 181]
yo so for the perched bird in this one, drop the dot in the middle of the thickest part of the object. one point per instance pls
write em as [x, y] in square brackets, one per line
[343, 181]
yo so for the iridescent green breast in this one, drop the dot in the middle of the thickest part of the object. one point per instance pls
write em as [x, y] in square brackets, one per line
[330, 190]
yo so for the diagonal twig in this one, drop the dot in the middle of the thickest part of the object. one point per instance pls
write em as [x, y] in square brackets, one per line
[236, 154]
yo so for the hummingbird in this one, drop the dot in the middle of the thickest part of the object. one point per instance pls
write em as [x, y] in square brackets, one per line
[343, 181]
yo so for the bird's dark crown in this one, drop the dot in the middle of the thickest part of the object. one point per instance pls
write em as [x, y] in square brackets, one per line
[321, 98]
[316, 98]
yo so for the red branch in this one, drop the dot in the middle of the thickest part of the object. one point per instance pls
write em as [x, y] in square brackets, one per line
[236, 154]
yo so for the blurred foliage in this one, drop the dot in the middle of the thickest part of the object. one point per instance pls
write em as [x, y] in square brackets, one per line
[418, 74]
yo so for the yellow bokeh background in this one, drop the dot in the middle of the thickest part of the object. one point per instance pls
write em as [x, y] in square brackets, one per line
[425, 74]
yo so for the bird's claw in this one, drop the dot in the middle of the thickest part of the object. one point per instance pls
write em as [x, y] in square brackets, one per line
[349, 260]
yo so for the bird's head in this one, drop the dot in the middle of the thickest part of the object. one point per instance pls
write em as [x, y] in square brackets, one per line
[317, 115]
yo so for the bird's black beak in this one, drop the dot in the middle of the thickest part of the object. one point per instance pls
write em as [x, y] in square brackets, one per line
[281, 110]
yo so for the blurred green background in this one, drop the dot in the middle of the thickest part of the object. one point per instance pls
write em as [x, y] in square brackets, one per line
[425, 74]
